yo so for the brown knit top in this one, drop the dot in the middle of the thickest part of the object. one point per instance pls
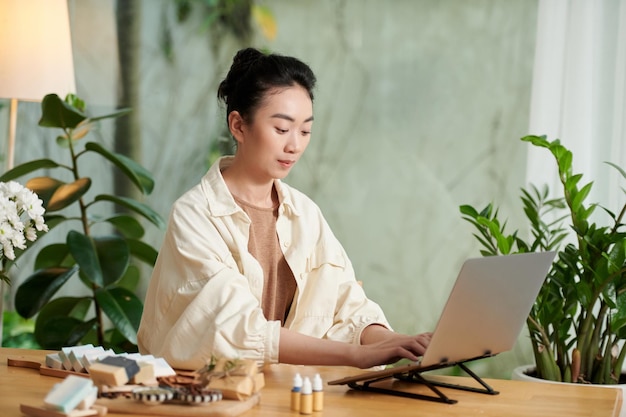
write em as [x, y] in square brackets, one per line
[280, 284]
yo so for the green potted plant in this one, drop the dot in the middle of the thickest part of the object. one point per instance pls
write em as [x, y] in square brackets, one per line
[578, 320]
[100, 251]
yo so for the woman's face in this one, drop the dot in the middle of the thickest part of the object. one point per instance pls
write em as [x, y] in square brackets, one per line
[279, 132]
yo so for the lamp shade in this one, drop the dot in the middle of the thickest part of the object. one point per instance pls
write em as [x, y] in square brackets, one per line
[35, 49]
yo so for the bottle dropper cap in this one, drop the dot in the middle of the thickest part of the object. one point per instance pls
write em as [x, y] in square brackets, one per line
[317, 382]
[306, 386]
[297, 382]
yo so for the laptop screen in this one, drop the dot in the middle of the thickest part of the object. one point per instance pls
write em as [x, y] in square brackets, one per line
[487, 306]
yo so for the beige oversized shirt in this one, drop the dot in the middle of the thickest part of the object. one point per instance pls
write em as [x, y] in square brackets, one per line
[205, 294]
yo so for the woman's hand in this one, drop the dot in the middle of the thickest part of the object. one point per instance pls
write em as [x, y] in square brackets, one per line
[381, 346]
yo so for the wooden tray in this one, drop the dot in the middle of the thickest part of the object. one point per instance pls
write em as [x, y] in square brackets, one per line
[26, 362]
[223, 408]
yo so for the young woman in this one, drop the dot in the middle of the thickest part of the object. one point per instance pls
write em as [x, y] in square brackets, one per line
[249, 268]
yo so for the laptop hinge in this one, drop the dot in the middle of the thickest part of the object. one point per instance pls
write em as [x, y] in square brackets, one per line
[417, 377]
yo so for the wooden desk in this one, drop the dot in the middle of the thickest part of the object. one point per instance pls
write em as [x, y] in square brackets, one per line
[516, 398]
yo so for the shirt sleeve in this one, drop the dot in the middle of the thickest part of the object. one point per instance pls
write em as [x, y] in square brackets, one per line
[198, 304]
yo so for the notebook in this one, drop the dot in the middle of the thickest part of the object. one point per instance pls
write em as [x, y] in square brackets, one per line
[485, 311]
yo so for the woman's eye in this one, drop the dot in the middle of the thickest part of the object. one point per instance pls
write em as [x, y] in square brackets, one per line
[279, 130]
[306, 132]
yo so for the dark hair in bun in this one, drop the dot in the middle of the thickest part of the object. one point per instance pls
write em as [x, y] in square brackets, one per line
[253, 73]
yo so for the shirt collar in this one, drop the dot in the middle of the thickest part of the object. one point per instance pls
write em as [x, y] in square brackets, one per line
[221, 202]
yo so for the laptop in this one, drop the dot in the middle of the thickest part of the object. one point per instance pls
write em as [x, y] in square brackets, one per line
[485, 312]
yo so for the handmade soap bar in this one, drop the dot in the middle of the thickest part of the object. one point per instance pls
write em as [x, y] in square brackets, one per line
[53, 360]
[111, 375]
[161, 367]
[237, 379]
[129, 365]
[145, 375]
[66, 395]
[238, 387]
[89, 400]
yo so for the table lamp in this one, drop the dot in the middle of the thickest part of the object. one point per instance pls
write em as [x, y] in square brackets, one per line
[35, 55]
[35, 60]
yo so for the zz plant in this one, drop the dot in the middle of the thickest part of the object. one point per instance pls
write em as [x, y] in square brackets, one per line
[106, 263]
[577, 324]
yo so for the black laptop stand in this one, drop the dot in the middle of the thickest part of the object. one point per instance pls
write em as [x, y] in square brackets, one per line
[413, 373]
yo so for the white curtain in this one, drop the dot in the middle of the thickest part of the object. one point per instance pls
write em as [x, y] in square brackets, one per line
[579, 93]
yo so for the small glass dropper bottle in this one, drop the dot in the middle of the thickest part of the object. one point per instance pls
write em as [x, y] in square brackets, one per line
[306, 399]
[318, 394]
[296, 392]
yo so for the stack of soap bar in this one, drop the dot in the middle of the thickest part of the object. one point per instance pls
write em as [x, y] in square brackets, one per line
[113, 371]
[65, 352]
[73, 358]
[67, 395]
[81, 358]
[77, 355]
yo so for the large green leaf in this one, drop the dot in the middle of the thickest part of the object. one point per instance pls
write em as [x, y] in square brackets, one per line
[131, 278]
[28, 167]
[57, 333]
[113, 256]
[113, 339]
[75, 101]
[135, 206]
[62, 331]
[140, 176]
[581, 196]
[123, 308]
[39, 288]
[142, 251]
[537, 140]
[468, 211]
[57, 113]
[127, 225]
[61, 322]
[75, 307]
[56, 254]
[57, 195]
[83, 250]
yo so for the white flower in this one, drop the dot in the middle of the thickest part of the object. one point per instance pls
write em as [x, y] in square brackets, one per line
[31, 233]
[40, 225]
[21, 217]
[8, 250]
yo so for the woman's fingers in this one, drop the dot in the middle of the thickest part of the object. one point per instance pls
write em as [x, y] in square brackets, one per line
[393, 348]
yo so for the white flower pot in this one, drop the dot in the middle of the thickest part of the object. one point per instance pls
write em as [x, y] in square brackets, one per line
[521, 374]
